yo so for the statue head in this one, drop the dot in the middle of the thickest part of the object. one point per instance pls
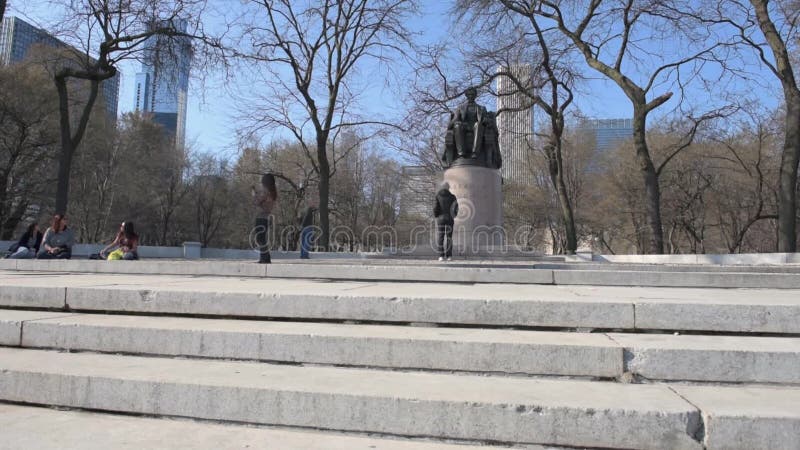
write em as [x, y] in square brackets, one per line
[471, 93]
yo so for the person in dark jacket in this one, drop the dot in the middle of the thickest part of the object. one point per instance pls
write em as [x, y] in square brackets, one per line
[306, 222]
[445, 210]
[28, 245]
[264, 202]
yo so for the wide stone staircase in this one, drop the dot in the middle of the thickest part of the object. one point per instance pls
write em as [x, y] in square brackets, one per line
[294, 362]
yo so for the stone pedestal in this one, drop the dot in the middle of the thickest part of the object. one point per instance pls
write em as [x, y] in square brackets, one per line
[480, 208]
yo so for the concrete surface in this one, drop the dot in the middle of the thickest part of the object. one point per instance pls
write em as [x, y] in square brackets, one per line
[28, 292]
[652, 356]
[763, 312]
[11, 323]
[747, 418]
[578, 354]
[607, 307]
[27, 427]
[502, 409]
[477, 305]
[710, 358]
[621, 277]
[516, 272]
[718, 259]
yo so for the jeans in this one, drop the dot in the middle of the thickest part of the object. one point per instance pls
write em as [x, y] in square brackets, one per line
[63, 254]
[261, 240]
[305, 242]
[23, 253]
[444, 230]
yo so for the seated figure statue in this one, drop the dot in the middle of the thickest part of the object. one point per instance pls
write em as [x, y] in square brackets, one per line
[472, 136]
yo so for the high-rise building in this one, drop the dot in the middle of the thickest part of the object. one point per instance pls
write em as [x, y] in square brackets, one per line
[163, 83]
[17, 37]
[607, 133]
[515, 124]
[417, 192]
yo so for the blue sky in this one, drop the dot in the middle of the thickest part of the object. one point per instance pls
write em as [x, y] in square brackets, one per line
[211, 111]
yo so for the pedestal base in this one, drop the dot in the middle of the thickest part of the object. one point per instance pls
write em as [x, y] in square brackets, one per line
[479, 192]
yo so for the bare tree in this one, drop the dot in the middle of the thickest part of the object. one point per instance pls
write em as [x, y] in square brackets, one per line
[606, 33]
[549, 86]
[320, 46]
[27, 117]
[109, 31]
[777, 22]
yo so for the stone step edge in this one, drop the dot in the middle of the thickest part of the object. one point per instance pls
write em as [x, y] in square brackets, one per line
[522, 275]
[602, 356]
[84, 419]
[470, 408]
[622, 314]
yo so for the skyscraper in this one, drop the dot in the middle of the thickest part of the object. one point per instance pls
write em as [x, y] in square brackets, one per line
[515, 124]
[17, 37]
[417, 192]
[607, 133]
[163, 83]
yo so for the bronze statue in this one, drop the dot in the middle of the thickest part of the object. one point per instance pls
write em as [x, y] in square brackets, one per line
[472, 136]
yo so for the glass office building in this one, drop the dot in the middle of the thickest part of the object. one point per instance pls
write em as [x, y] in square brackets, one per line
[163, 82]
[17, 37]
[607, 133]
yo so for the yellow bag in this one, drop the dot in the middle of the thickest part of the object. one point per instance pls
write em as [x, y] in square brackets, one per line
[115, 255]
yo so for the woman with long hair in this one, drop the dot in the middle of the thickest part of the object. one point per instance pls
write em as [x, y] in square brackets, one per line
[58, 240]
[125, 245]
[264, 202]
[28, 245]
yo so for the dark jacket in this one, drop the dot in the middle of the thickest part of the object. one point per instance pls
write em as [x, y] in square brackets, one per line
[306, 219]
[446, 208]
[24, 241]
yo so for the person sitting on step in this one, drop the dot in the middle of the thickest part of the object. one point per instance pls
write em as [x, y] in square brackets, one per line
[125, 245]
[58, 240]
[28, 245]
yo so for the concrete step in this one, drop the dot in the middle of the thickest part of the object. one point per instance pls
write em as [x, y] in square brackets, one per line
[731, 359]
[598, 307]
[651, 356]
[414, 271]
[476, 408]
[27, 427]
[450, 349]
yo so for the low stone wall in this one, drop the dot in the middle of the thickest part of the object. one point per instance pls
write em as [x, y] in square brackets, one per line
[748, 259]
[153, 252]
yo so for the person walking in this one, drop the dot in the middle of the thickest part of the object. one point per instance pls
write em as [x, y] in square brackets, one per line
[445, 210]
[264, 202]
[28, 245]
[306, 221]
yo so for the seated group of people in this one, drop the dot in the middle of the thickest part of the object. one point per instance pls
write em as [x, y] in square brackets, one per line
[58, 239]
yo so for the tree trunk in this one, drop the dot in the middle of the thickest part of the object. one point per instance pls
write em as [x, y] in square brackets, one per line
[565, 206]
[787, 195]
[787, 192]
[324, 191]
[652, 190]
[69, 142]
[67, 150]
